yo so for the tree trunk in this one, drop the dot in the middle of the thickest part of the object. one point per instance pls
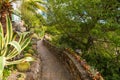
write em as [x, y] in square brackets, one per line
[5, 10]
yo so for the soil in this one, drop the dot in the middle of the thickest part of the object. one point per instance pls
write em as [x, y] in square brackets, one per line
[32, 74]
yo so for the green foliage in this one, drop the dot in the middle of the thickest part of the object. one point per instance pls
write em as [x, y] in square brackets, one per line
[6, 73]
[31, 13]
[10, 48]
[92, 26]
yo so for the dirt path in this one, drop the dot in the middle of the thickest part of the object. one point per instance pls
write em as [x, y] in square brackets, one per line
[52, 69]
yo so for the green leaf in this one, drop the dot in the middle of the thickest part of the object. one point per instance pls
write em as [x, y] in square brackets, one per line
[1, 29]
[22, 36]
[25, 43]
[20, 60]
[29, 59]
[16, 45]
[1, 36]
[2, 64]
[9, 33]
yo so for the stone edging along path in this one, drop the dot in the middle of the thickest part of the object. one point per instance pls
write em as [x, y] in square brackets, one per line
[78, 68]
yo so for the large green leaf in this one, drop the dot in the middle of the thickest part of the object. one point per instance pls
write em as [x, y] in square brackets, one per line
[23, 42]
[2, 64]
[1, 29]
[23, 45]
[9, 34]
[16, 45]
[9, 48]
[22, 36]
[1, 36]
[20, 60]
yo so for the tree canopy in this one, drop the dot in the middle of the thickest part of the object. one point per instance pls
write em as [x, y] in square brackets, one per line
[92, 26]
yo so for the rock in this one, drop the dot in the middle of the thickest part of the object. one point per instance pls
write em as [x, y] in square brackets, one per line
[35, 71]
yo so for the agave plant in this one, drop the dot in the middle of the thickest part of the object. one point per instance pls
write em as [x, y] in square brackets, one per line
[10, 47]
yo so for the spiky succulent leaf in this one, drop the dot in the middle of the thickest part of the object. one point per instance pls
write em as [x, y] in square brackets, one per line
[19, 61]
[16, 45]
[9, 33]
[9, 48]
[1, 37]
[2, 64]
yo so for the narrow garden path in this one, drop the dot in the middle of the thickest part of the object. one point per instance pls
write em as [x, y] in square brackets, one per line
[52, 69]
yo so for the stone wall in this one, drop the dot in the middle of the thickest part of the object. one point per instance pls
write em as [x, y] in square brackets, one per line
[70, 62]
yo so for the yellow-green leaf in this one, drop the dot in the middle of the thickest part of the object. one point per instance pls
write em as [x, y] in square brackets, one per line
[2, 64]
[16, 45]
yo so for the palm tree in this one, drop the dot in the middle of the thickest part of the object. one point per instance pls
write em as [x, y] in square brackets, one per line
[30, 11]
[5, 10]
[33, 6]
[27, 5]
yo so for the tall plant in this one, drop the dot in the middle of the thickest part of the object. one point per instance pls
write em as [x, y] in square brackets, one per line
[32, 12]
[10, 47]
[5, 9]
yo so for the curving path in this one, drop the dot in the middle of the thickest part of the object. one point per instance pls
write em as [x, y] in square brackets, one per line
[52, 69]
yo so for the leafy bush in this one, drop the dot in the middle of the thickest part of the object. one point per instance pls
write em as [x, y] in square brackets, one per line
[10, 47]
